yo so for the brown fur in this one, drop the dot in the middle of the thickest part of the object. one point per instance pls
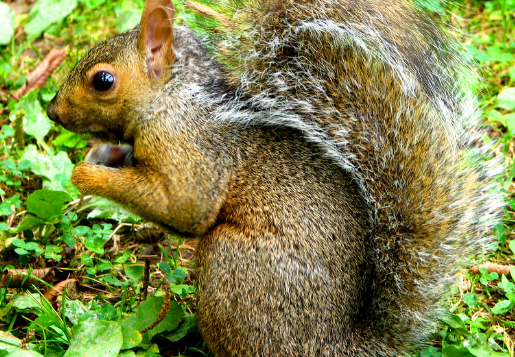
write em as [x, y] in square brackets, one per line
[334, 194]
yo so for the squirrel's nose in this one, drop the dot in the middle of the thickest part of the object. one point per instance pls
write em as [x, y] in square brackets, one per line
[52, 112]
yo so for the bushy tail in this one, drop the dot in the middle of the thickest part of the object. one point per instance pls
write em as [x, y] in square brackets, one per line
[383, 91]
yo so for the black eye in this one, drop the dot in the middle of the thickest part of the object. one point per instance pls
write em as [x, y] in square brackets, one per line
[102, 81]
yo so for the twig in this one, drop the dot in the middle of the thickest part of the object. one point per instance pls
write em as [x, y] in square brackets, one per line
[492, 268]
[24, 343]
[17, 277]
[207, 11]
[146, 278]
[38, 77]
[164, 310]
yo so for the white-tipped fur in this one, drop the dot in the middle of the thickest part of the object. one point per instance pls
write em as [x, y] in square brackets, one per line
[333, 166]
[292, 91]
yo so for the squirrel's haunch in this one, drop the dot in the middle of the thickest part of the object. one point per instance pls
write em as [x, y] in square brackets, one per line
[328, 156]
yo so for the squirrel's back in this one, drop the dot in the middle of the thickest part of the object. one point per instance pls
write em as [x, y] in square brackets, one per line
[380, 88]
[330, 155]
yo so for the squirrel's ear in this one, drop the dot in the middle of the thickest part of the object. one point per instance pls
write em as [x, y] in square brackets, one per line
[156, 37]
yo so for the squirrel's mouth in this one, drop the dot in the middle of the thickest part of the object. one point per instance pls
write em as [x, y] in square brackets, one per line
[112, 136]
[110, 149]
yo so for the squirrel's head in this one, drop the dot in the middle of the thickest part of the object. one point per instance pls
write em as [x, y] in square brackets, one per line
[116, 80]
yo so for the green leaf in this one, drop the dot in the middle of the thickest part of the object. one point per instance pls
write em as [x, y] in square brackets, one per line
[5, 209]
[506, 285]
[87, 260]
[28, 301]
[506, 99]
[13, 201]
[70, 140]
[495, 15]
[454, 321]
[81, 231]
[75, 311]
[430, 352]
[134, 271]
[511, 73]
[45, 13]
[29, 222]
[470, 299]
[7, 23]
[509, 4]
[9, 165]
[111, 279]
[496, 54]
[483, 39]
[511, 296]
[95, 338]
[122, 258]
[47, 94]
[31, 246]
[103, 265]
[165, 268]
[94, 244]
[7, 129]
[35, 121]
[128, 15]
[92, 4]
[502, 307]
[431, 5]
[492, 276]
[189, 325]
[22, 353]
[105, 231]
[486, 276]
[456, 351]
[51, 167]
[69, 240]
[109, 311]
[181, 289]
[53, 249]
[131, 337]
[21, 251]
[18, 243]
[108, 210]
[508, 121]
[478, 55]
[484, 351]
[148, 311]
[24, 164]
[180, 273]
[8, 342]
[47, 204]
[53, 256]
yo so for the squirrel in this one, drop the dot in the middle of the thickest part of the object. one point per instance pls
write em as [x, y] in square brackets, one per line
[326, 151]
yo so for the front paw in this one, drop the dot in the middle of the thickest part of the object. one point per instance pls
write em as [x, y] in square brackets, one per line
[84, 178]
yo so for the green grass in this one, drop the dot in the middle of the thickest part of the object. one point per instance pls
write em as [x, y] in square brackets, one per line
[57, 236]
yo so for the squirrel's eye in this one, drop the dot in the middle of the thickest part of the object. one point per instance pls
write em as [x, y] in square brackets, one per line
[102, 81]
